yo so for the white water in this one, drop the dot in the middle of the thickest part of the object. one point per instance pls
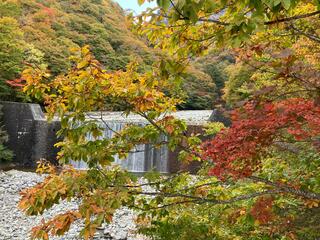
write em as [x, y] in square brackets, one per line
[143, 158]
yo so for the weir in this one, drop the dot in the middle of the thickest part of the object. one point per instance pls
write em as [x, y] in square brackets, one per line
[142, 158]
[32, 137]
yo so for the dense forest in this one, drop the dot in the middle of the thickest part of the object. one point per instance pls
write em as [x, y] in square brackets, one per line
[43, 32]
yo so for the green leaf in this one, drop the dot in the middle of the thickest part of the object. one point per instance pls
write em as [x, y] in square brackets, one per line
[165, 4]
[286, 4]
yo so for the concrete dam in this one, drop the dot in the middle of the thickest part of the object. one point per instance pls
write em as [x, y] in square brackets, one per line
[31, 137]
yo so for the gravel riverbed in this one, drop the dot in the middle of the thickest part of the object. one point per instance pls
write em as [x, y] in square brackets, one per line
[14, 225]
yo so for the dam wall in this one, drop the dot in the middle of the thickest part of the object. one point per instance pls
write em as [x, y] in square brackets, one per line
[32, 137]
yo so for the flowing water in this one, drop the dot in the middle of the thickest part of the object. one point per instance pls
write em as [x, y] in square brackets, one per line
[142, 158]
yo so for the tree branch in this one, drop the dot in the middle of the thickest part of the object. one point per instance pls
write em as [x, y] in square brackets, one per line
[200, 200]
[296, 17]
[281, 20]
[311, 37]
[177, 9]
[287, 189]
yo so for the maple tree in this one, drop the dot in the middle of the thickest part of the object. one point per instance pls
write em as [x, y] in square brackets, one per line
[256, 128]
[259, 177]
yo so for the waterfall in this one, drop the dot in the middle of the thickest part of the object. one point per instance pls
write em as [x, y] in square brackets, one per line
[142, 158]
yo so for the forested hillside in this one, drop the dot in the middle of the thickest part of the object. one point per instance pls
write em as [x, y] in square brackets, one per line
[257, 173]
[43, 32]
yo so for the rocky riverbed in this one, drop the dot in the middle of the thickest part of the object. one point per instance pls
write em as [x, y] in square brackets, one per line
[14, 225]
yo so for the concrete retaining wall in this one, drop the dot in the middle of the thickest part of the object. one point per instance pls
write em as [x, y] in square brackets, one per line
[31, 137]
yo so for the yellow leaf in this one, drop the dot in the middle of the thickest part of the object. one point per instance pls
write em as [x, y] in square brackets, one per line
[85, 50]
[242, 212]
[140, 2]
[82, 64]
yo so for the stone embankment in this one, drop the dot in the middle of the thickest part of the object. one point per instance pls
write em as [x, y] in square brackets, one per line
[14, 225]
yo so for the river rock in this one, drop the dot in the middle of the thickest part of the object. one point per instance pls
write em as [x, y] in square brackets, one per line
[15, 225]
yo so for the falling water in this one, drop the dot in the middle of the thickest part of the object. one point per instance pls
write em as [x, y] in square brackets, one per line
[142, 158]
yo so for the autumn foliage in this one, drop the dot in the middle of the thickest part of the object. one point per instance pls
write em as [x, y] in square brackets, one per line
[263, 180]
[262, 210]
[238, 150]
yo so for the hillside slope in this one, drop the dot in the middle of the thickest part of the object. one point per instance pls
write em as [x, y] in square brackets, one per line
[55, 26]
[42, 32]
